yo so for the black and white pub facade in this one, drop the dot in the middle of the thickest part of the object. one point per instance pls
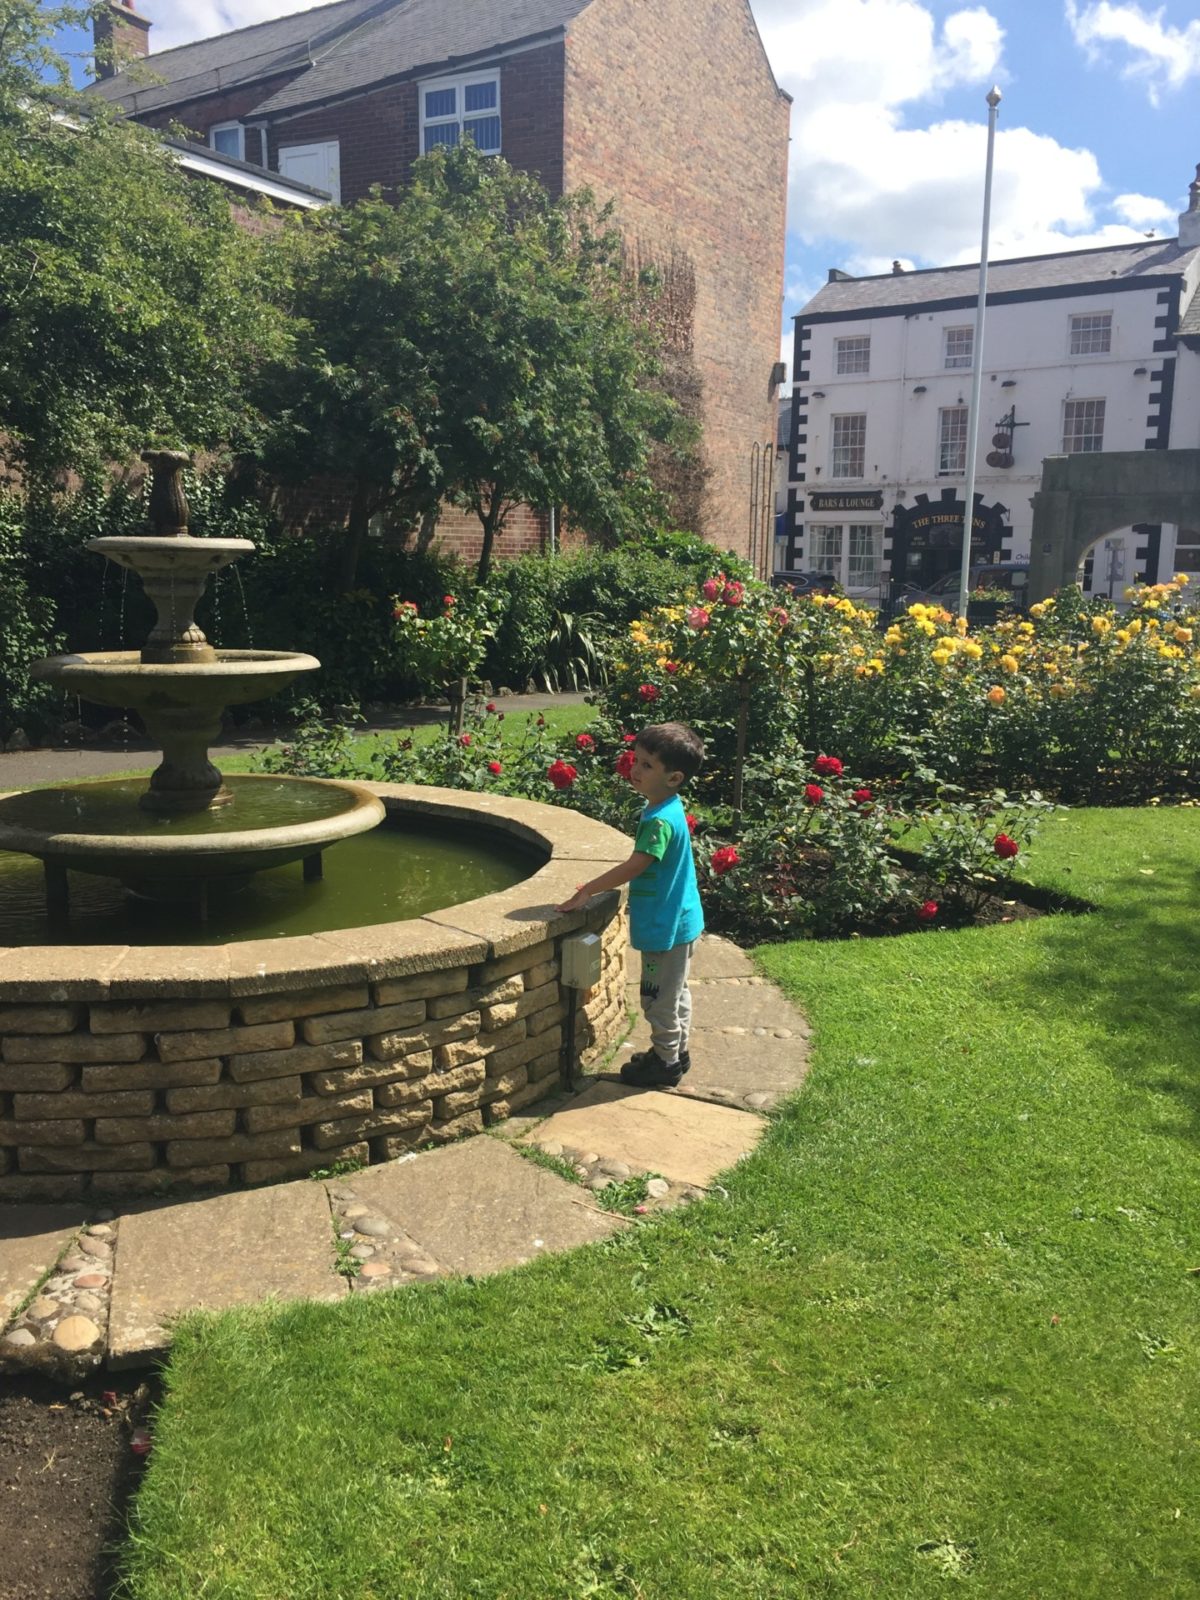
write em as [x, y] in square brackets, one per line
[1083, 351]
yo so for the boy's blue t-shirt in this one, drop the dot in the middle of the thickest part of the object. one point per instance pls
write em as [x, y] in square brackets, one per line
[664, 902]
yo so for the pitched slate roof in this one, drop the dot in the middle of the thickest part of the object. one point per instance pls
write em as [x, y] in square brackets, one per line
[336, 50]
[1026, 274]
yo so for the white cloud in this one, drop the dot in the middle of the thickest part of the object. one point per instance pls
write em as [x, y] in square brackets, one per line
[873, 184]
[1162, 56]
[1144, 211]
[185, 20]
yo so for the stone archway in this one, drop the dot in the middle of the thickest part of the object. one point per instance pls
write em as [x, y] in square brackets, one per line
[1086, 496]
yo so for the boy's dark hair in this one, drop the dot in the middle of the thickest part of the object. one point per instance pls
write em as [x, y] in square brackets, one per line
[677, 746]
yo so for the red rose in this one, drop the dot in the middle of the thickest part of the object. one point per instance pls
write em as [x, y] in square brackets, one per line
[584, 741]
[733, 593]
[691, 821]
[491, 706]
[625, 763]
[495, 768]
[672, 667]
[724, 860]
[464, 739]
[814, 793]
[1005, 847]
[828, 766]
[629, 738]
[711, 587]
[561, 774]
[648, 691]
[927, 911]
[447, 600]
[862, 796]
[779, 616]
[405, 608]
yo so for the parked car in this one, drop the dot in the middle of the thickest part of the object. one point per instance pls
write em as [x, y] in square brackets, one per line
[1005, 583]
[803, 583]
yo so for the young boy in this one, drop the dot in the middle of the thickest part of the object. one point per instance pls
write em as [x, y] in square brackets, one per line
[665, 918]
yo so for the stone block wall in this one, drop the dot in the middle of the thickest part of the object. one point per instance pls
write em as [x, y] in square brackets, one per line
[142, 1095]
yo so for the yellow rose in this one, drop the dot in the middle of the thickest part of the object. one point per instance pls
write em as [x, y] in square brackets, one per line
[1009, 663]
[1135, 626]
[940, 657]
[1183, 636]
[1101, 625]
[926, 627]
[971, 649]
[996, 695]
[1038, 609]
[1058, 690]
[1181, 578]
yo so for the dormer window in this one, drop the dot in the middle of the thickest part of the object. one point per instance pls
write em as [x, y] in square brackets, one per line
[228, 139]
[454, 109]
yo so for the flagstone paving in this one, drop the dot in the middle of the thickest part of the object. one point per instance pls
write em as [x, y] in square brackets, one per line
[110, 1284]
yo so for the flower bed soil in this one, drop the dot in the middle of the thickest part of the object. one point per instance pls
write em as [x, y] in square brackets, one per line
[67, 1472]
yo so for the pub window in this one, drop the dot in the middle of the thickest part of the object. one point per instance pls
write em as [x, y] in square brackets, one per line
[960, 347]
[850, 553]
[1187, 550]
[851, 356]
[952, 440]
[849, 445]
[1091, 333]
[1083, 427]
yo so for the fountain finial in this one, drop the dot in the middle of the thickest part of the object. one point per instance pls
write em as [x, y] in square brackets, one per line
[168, 507]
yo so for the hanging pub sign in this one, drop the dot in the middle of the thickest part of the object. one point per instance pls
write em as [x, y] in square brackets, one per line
[828, 500]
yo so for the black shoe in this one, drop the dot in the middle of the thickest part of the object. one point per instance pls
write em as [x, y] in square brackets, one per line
[685, 1062]
[648, 1070]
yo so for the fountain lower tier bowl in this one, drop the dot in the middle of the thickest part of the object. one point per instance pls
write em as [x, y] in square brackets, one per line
[101, 828]
[122, 678]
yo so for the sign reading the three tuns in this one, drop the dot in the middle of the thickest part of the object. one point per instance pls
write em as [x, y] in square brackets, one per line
[820, 500]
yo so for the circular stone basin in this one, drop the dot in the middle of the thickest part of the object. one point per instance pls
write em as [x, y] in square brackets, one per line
[121, 678]
[100, 828]
[264, 1058]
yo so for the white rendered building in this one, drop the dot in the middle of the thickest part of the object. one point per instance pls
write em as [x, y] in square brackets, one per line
[1087, 350]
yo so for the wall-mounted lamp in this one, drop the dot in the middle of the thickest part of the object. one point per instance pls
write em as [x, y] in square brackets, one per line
[1139, 372]
[1009, 383]
[920, 389]
[818, 394]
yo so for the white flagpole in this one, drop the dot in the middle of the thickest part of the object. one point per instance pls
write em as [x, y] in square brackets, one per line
[993, 101]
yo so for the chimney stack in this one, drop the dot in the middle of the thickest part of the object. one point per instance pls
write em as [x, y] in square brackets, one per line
[1189, 220]
[120, 36]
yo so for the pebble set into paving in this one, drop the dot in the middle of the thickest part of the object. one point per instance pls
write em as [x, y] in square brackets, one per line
[79, 1286]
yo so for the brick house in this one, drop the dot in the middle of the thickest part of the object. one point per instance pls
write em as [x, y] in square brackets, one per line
[670, 109]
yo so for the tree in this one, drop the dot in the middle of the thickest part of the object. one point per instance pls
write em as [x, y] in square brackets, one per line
[544, 370]
[357, 397]
[471, 341]
[131, 301]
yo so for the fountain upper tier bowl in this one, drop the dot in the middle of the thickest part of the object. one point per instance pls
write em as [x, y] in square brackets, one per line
[122, 678]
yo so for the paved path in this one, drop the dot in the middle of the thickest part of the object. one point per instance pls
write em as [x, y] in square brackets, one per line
[96, 759]
[109, 1284]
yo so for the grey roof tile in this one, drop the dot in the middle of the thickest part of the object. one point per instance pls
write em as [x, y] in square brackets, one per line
[1155, 258]
[336, 50]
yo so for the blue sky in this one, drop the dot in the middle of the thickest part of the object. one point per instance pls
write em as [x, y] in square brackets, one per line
[1098, 135]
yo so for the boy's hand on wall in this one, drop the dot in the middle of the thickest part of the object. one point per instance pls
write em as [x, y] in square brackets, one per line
[577, 901]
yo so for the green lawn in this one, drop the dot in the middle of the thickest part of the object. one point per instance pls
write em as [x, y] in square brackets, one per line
[941, 1337]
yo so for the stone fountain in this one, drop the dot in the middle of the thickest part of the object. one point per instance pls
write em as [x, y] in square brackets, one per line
[189, 828]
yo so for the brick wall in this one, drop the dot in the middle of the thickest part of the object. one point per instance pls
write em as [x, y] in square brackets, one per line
[136, 1096]
[198, 116]
[671, 110]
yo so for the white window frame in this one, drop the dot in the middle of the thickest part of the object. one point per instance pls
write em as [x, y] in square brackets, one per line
[459, 83]
[841, 454]
[1080, 425]
[850, 552]
[958, 359]
[852, 356]
[335, 188]
[226, 127]
[1089, 333]
[952, 441]
[1187, 550]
